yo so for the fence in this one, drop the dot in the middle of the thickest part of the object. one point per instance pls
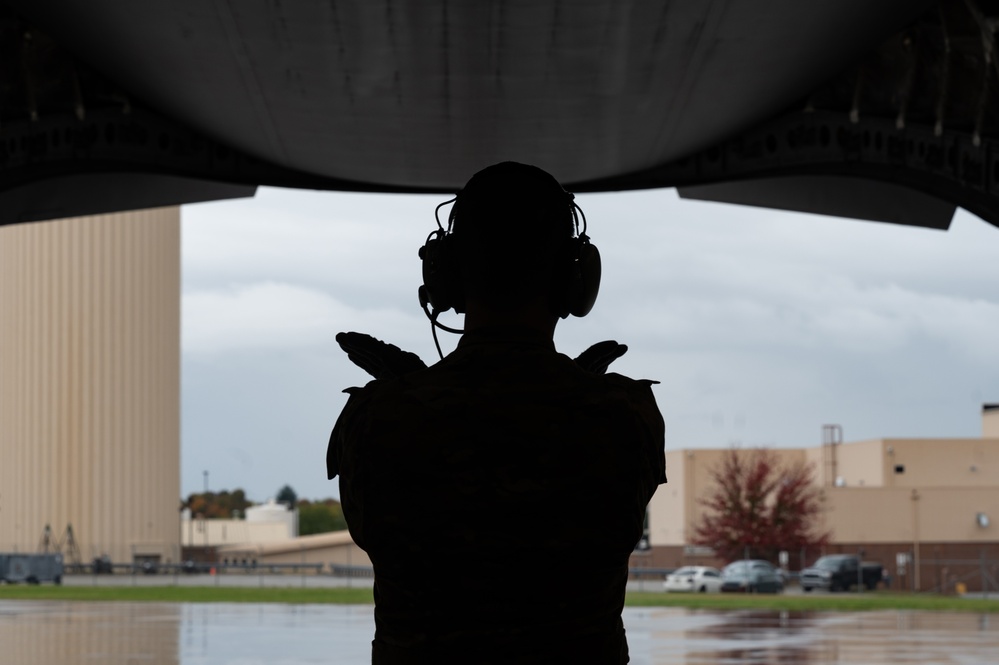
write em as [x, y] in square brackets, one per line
[199, 567]
[958, 576]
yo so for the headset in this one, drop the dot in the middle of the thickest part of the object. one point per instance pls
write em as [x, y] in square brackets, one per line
[576, 280]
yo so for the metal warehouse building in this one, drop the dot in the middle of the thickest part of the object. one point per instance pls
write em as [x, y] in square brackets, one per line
[89, 386]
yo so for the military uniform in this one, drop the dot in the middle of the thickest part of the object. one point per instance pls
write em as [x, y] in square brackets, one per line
[499, 495]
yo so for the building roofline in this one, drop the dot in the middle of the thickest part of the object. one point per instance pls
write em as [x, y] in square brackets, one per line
[302, 543]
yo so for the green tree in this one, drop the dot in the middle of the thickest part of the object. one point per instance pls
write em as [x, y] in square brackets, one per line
[320, 517]
[287, 496]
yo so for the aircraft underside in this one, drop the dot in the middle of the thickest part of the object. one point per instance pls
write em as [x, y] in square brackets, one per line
[884, 111]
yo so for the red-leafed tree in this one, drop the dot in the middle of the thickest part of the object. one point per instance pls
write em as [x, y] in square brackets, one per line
[759, 507]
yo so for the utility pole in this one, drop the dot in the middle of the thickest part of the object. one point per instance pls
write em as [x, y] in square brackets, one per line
[206, 482]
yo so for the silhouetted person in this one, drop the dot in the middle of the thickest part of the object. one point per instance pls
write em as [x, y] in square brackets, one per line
[500, 492]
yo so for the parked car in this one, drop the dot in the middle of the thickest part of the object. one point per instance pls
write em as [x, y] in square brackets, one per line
[751, 576]
[102, 565]
[702, 579]
[838, 572]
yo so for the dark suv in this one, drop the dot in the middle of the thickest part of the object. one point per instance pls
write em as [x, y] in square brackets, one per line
[837, 572]
[752, 576]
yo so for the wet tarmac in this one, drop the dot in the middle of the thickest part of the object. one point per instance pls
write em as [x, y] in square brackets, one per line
[73, 633]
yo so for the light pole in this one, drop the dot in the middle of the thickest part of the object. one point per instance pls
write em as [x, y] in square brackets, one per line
[206, 482]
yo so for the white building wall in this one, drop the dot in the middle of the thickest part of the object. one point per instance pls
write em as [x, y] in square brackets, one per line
[272, 511]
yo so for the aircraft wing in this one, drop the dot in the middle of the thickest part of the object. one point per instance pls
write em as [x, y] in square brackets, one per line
[877, 110]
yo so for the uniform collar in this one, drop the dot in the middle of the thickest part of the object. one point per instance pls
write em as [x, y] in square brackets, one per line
[506, 335]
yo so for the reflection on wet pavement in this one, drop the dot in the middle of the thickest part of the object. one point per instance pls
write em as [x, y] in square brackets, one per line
[53, 633]
[709, 637]
[65, 633]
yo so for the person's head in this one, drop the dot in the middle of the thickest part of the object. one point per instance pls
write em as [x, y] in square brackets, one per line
[514, 250]
[513, 229]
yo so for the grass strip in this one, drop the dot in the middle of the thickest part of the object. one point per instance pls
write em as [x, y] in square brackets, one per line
[190, 594]
[354, 596]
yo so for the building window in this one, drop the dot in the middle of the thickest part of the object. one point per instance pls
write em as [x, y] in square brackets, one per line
[899, 468]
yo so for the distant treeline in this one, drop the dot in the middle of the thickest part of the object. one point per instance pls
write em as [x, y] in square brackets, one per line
[314, 516]
[218, 504]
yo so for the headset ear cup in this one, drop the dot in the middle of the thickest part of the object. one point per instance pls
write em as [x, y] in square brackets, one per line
[585, 283]
[441, 274]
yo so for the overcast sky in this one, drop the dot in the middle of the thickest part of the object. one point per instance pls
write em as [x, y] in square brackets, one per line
[761, 325]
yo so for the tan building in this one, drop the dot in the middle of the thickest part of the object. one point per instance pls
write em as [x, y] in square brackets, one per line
[90, 386]
[269, 522]
[268, 537]
[928, 509]
[990, 421]
[205, 534]
[333, 549]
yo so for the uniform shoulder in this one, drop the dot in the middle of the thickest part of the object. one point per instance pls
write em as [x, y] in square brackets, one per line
[375, 390]
[627, 383]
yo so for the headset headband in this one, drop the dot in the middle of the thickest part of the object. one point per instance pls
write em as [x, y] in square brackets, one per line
[577, 278]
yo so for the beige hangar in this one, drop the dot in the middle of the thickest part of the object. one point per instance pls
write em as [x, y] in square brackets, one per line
[90, 386]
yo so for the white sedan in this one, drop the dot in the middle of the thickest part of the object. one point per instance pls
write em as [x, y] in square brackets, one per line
[694, 578]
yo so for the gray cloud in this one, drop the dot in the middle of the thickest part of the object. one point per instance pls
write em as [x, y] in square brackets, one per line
[761, 325]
